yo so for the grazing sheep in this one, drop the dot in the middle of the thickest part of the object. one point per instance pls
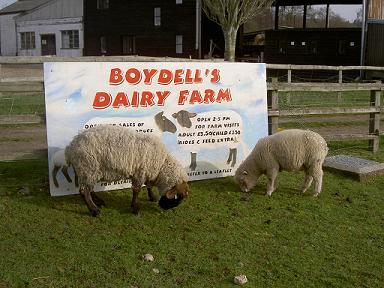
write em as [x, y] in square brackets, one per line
[289, 150]
[111, 153]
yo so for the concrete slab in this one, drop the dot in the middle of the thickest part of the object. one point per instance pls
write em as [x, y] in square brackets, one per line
[359, 168]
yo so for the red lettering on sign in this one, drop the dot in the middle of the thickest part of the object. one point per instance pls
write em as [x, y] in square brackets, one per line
[102, 100]
[148, 75]
[162, 96]
[165, 77]
[133, 76]
[116, 77]
[224, 95]
[146, 99]
[120, 100]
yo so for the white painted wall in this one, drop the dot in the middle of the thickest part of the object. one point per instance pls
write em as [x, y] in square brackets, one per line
[8, 35]
[54, 26]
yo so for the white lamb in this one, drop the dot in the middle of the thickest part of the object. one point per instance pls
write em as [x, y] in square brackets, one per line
[290, 150]
[111, 153]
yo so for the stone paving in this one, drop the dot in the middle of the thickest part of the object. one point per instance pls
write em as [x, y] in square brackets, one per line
[359, 168]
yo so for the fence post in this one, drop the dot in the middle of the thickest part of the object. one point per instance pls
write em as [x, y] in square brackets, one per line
[339, 94]
[273, 104]
[289, 80]
[374, 121]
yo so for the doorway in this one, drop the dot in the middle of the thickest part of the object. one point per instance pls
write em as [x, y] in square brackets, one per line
[48, 44]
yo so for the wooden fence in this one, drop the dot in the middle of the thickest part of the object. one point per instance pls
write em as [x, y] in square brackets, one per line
[374, 87]
[34, 83]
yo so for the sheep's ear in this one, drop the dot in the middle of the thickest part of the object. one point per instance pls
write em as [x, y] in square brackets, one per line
[181, 189]
[191, 114]
[245, 172]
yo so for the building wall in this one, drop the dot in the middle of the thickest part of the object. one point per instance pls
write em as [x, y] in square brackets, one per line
[8, 38]
[376, 10]
[52, 18]
[136, 19]
[375, 45]
[55, 26]
[296, 46]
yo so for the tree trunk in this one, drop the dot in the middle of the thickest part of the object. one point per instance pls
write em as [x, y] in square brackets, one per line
[230, 44]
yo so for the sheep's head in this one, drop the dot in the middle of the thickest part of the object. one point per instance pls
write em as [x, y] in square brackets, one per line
[183, 118]
[164, 124]
[245, 181]
[174, 196]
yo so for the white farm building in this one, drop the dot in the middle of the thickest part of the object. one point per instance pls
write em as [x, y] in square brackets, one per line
[42, 27]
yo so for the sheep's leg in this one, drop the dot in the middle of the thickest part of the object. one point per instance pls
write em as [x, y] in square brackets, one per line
[135, 197]
[86, 191]
[193, 164]
[64, 169]
[307, 182]
[317, 173]
[271, 174]
[97, 200]
[318, 179]
[54, 175]
[151, 196]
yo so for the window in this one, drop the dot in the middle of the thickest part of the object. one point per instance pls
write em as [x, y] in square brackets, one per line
[102, 4]
[103, 45]
[282, 46]
[291, 16]
[179, 44]
[27, 40]
[70, 39]
[157, 19]
[128, 44]
[313, 47]
[341, 47]
[179, 1]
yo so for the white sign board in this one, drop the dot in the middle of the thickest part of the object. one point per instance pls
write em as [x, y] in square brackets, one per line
[209, 115]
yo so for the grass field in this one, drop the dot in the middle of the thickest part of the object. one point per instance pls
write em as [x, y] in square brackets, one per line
[287, 240]
[15, 104]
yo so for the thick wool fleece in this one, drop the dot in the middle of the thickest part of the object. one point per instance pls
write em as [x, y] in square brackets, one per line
[289, 149]
[111, 153]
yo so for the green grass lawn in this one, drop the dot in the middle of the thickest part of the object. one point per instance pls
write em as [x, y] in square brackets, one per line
[287, 240]
[15, 104]
[308, 99]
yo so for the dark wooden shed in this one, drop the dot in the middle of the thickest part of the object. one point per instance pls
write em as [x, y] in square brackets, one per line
[322, 45]
[375, 33]
[173, 28]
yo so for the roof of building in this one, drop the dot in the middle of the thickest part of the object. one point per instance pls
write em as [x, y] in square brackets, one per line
[22, 6]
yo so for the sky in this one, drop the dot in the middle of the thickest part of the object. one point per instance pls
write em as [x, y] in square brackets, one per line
[346, 11]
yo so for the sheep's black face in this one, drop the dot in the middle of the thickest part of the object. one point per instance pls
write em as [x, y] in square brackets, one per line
[173, 197]
[167, 203]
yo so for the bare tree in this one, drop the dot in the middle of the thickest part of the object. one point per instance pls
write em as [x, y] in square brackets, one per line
[230, 15]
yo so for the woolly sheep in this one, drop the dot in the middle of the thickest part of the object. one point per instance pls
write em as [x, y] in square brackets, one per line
[111, 153]
[290, 150]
